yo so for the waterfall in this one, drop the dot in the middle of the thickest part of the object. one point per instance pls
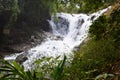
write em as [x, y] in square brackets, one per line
[68, 32]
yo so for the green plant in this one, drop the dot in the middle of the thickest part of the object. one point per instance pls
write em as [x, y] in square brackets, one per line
[94, 58]
[58, 73]
[13, 71]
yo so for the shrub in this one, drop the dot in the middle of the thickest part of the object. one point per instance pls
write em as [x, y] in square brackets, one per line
[93, 58]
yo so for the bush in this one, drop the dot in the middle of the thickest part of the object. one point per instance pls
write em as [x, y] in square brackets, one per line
[107, 26]
[93, 58]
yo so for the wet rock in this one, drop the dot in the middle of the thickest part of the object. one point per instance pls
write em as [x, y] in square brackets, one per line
[58, 38]
[62, 25]
[6, 50]
[92, 18]
[21, 58]
[82, 21]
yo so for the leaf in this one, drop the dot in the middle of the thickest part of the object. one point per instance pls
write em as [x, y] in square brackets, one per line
[59, 70]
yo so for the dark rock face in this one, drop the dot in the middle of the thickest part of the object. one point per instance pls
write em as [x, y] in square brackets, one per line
[3, 22]
[45, 26]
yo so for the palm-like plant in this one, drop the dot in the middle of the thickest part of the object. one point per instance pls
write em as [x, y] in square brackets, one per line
[14, 71]
[10, 70]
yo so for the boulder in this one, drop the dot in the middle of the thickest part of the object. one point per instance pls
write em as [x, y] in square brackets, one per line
[21, 58]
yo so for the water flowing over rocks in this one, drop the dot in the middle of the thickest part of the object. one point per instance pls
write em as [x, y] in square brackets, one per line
[68, 32]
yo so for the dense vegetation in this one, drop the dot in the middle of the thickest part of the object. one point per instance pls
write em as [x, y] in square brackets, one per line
[82, 6]
[97, 59]
[14, 71]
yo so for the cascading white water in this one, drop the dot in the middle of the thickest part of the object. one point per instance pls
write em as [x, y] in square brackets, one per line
[69, 31]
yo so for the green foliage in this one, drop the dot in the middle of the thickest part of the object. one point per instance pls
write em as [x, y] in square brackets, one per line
[91, 5]
[46, 66]
[94, 58]
[99, 27]
[85, 6]
[67, 6]
[107, 27]
[15, 10]
[59, 70]
[14, 71]
[11, 7]
[94, 5]
[101, 51]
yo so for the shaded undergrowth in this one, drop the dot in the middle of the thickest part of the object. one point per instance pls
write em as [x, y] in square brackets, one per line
[94, 60]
